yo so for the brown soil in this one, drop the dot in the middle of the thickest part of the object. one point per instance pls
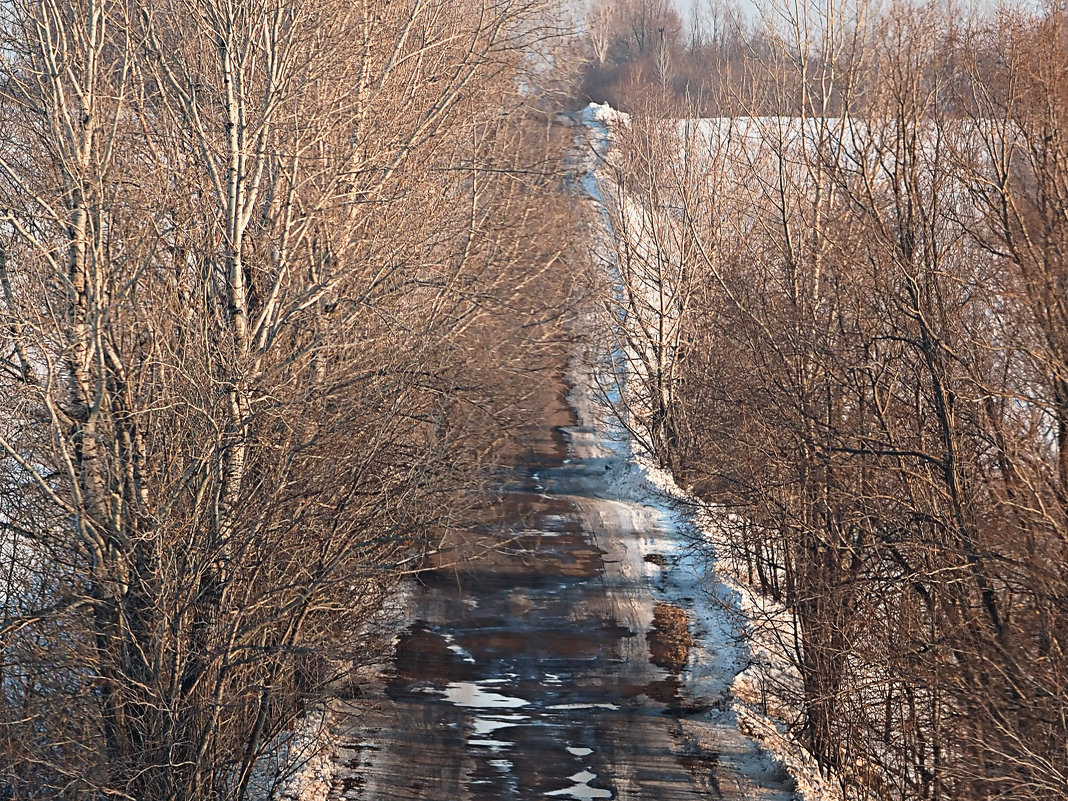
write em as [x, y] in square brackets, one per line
[669, 640]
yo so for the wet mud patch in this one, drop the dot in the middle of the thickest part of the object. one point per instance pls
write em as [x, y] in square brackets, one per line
[703, 765]
[581, 640]
[669, 640]
[667, 691]
[564, 555]
[583, 563]
[532, 505]
[423, 655]
[529, 560]
[351, 786]
[671, 692]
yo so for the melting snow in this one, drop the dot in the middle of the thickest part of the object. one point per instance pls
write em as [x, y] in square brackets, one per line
[581, 788]
[470, 694]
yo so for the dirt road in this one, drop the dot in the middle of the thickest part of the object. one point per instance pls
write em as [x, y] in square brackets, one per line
[528, 673]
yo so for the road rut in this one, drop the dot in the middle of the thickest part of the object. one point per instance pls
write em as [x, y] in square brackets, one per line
[527, 674]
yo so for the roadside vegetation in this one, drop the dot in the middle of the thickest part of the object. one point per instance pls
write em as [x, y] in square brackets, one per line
[841, 321]
[276, 280]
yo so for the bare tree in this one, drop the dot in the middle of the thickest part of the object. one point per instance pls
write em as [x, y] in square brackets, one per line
[663, 173]
[868, 374]
[247, 251]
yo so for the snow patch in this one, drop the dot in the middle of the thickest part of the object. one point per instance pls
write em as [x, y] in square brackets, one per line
[470, 695]
[301, 767]
[581, 788]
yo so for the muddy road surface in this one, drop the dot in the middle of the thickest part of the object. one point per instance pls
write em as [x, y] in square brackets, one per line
[536, 672]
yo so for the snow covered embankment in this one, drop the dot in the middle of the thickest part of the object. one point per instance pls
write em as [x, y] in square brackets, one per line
[749, 654]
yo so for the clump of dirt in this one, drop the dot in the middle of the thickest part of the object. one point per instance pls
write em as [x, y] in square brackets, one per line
[669, 640]
[656, 559]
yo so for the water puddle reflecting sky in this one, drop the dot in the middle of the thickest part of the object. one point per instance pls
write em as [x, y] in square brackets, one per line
[581, 788]
[471, 694]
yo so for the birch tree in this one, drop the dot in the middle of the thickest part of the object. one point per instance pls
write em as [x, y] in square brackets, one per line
[247, 251]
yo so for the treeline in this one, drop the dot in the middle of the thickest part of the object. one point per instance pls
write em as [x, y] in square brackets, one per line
[846, 327]
[273, 278]
[718, 58]
[634, 45]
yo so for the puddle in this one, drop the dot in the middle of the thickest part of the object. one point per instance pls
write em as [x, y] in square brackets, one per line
[493, 745]
[485, 726]
[459, 650]
[422, 657]
[583, 791]
[579, 751]
[488, 725]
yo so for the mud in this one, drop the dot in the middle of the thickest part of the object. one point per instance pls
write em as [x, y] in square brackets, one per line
[669, 640]
[543, 668]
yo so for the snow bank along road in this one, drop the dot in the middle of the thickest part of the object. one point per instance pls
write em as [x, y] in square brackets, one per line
[529, 674]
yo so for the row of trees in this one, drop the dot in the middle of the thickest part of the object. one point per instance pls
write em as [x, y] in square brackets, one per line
[272, 275]
[692, 55]
[846, 326]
